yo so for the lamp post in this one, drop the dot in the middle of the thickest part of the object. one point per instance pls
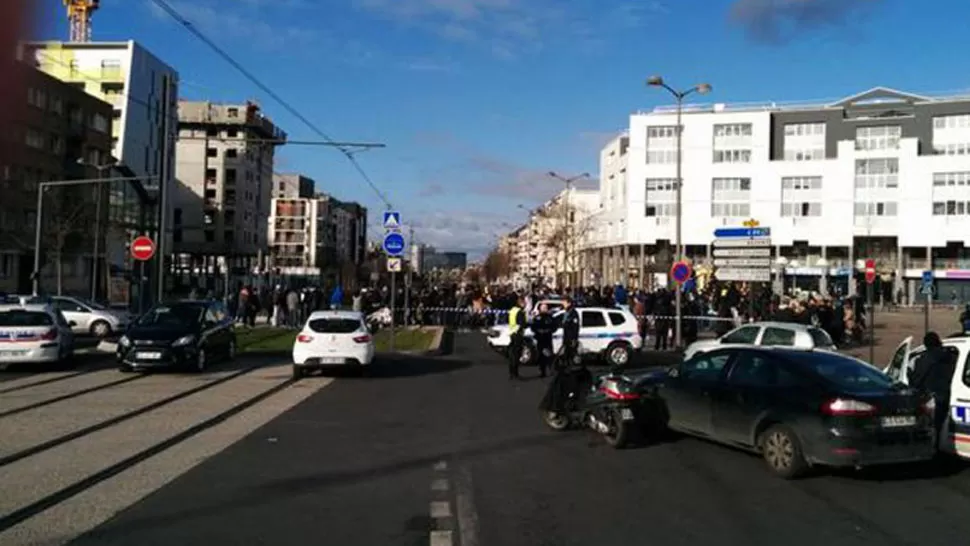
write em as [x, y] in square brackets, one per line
[703, 88]
[103, 172]
[567, 217]
[39, 217]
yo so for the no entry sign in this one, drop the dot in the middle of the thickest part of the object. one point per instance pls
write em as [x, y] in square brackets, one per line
[142, 248]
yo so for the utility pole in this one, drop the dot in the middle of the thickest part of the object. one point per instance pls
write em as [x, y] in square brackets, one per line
[408, 279]
[164, 173]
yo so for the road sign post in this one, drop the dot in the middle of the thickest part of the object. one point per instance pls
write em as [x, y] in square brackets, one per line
[394, 246]
[927, 291]
[743, 254]
[871, 296]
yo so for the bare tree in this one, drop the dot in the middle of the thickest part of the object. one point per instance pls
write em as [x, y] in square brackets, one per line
[497, 264]
[68, 215]
[567, 229]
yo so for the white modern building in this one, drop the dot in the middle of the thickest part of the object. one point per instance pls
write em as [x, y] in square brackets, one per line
[882, 175]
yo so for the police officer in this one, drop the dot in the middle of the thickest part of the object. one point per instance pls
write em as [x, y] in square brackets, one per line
[570, 333]
[965, 319]
[517, 320]
[543, 327]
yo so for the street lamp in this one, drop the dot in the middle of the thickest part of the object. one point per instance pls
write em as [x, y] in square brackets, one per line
[103, 170]
[702, 89]
[567, 221]
[39, 217]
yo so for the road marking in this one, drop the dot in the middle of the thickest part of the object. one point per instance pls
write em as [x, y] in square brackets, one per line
[467, 514]
[440, 484]
[441, 538]
[441, 466]
[440, 509]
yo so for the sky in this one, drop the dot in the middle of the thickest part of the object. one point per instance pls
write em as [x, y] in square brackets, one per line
[476, 100]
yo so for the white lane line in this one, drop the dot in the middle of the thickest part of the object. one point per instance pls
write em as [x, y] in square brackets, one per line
[440, 509]
[441, 466]
[440, 484]
[441, 538]
[467, 514]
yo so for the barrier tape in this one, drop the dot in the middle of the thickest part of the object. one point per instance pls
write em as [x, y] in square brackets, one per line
[506, 311]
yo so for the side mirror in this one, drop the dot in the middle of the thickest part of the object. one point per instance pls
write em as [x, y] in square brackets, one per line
[71, 323]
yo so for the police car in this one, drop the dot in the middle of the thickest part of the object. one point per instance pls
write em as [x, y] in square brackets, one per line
[607, 332]
[34, 333]
[955, 436]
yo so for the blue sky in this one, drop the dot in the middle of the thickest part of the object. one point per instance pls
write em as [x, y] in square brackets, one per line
[477, 99]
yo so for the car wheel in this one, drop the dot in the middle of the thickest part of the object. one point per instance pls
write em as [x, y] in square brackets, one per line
[201, 361]
[100, 329]
[783, 453]
[298, 372]
[618, 434]
[618, 354]
[555, 420]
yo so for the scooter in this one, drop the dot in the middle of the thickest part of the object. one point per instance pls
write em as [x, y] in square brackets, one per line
[620, 408]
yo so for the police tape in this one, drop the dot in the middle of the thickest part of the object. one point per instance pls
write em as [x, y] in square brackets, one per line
[471, 311]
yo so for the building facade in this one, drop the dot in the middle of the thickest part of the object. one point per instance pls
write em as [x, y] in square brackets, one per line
[293, 186]
[136, 84]
[221, 206]
[883, 175]
[58, 133]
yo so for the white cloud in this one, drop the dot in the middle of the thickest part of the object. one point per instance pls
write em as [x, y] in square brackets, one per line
[474, 232]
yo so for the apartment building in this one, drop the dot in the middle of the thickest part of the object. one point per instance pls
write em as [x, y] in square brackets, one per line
[135, 83]
[225, 184]
[293, 186]
[882, 174]
[59, 132]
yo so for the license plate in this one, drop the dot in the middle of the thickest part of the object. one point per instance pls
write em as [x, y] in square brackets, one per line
[10, 354]
[899, 421]
[149, 356]
[331, 360]
[626, 414]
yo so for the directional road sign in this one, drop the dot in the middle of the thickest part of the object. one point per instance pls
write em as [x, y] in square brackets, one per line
[394, 265]
[392, 220]
[928, 277]
[743, 253]
[394, 244]
[680, 272]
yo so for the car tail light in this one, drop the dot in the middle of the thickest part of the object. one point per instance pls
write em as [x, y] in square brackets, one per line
[362, 339]
[614, 392]
[49, 335]
[303, 338]
[845, 406]
[929, 406]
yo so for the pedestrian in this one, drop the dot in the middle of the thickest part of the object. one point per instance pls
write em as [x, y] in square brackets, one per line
[933, 372]
[517, 320]
[570, 334]
[543, 326]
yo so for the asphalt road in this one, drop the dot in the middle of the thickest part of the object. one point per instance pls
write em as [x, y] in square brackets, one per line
[448, 451]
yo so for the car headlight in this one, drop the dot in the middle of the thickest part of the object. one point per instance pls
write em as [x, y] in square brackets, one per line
[183, 341]
[124, 341]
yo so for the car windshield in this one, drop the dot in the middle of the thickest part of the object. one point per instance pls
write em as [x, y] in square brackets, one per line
[25, 319]
[334, 325]
[178, 315]
[845, 373]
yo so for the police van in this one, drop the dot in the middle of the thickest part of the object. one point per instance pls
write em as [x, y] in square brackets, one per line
[955, 436]
[611, 333]
[34, 333]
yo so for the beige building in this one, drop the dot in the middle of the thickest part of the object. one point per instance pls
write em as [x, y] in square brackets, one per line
[224, 188]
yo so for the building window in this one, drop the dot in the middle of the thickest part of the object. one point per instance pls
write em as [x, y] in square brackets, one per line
[732, 130]
[211, 152]
[877, 173]
[36, 97]
[233, 112]
[880, 137]
[661, 185]
[950, 180]
[732, 156]
[100, 123]
[230, 176]
[177, 215]
[951, 134]
[212, 132]
[661, 209]
[210, 236]
[730, 185]
[951, 208]
[731, 197]
[730, 210]
[35, 139]
[57, 145]
[794, 183]
[803, 209]
[875, 209]
[232, 133]
[804, 141]
[57, 105]
[662, 144]
[231, 153]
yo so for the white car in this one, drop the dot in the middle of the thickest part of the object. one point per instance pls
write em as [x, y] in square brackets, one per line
[333, 339]
[767, 334]
[955, 436]
[609, 332]
[91, 318]
[34, 334]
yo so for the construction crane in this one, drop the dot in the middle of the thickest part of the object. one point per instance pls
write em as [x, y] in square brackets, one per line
[79, 14]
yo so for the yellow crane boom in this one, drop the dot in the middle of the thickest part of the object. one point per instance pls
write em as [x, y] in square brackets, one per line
[79, 17]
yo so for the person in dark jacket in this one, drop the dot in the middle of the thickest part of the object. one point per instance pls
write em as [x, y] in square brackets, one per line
[570, 333]
[543, 326]
[933, 372]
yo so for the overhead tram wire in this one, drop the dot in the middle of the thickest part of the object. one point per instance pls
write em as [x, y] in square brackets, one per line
[347, 153]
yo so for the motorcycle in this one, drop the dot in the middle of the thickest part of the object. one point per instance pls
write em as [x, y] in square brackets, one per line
[620, 408]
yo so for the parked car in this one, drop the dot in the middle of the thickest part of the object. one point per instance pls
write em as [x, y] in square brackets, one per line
[333, 339]
[185, 334]
[799, 408]
[34, 334]
[610, 333]
[769, 334]
[955, 436]
[92, 318]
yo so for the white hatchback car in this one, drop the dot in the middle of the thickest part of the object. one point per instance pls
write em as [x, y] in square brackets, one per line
[34, 334]
[768, 334]
[333, 339]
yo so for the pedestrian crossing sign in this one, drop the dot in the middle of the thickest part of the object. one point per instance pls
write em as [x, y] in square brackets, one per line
[392, 219]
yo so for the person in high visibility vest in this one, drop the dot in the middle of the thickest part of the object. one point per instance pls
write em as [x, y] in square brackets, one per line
[517, 321]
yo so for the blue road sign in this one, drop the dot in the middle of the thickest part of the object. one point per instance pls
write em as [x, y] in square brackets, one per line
[394, 244]
[392, 219]
[726, 233]
[680, 271]
[927, 277]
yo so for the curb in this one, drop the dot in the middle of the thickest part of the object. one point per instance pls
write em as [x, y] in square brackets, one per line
[434, 349]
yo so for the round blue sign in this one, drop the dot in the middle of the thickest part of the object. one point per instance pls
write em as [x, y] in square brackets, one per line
[680, 272]
[394, 244]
